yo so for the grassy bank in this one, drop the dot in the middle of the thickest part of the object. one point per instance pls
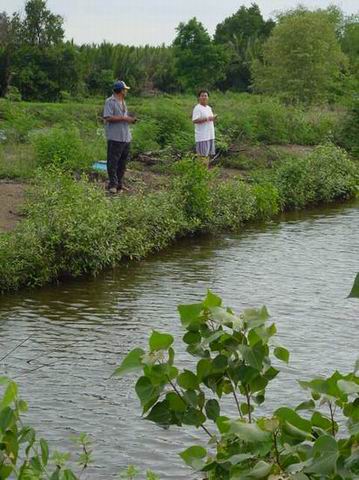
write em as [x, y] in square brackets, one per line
[164, 129]
[72, 228]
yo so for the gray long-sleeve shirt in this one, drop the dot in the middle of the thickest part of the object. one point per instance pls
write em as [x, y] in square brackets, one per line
[116, 131]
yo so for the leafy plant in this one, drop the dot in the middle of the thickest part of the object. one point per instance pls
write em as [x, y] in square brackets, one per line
[234, 358]
[22, 454]
[62, 148]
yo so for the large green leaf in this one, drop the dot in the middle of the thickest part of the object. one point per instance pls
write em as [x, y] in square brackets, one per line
[176, 403]
[348, 387]
[355, 289]
[194, 457]
[260, 470]
[212, 409]
[325, 456]
[294, 424]
[282, 354]
[188, 380]
[9, 395]
[190, 313]
[160, 341]
[160, 414]
[212, 300]
[253, 356]
[44, 451]
[193, 416]
[248, 432]
[146, 392]
[131, 363]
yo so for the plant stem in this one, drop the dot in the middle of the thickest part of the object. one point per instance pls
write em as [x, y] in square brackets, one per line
[184, 401]
[236, 398]
[249, 405]
[332, 418]
[276, 449]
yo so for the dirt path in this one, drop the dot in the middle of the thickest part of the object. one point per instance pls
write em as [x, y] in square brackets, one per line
[11, 198]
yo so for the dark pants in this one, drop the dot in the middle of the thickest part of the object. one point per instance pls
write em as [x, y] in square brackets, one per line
[117, 155]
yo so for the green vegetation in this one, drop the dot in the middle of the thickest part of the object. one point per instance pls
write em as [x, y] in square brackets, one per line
[71, 134]
[283, 72]
[237, 357]
[72, 228]
[301, 55]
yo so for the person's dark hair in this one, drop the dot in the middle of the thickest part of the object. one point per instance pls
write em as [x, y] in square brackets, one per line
[202, 91]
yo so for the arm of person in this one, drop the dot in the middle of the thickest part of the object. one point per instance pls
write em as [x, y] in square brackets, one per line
[119, 118]
[201, 120]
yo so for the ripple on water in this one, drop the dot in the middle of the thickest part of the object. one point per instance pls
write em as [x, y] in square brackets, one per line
[302, 269]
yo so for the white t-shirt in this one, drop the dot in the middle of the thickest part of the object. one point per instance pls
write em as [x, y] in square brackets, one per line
[203, 131]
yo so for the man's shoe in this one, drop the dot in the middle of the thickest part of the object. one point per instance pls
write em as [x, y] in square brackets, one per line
[112, 190]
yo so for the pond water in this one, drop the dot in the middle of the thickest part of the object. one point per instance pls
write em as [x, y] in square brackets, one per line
[301, 266]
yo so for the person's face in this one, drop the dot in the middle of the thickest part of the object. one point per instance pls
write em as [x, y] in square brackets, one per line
[203, 98]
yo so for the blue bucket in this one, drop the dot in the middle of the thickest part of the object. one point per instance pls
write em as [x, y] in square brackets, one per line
[100, 166]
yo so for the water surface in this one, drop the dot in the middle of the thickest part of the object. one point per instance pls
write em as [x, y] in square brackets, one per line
[300, 266]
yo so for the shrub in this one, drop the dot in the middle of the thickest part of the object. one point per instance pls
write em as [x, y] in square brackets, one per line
[232, 204]
[62, 148]
[146, 137]
[335, 175]
[295, 183]
[347, 134]
[75, 223]
[193, 190]
[174, 126]
[327, 174]
[233, 358]
[13, 94]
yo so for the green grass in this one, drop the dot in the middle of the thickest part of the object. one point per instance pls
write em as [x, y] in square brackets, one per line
[17, 161]
[164, 128]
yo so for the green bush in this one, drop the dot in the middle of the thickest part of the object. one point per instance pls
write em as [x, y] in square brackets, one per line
[335, 175]
[146, 137]
[295, 183]
[13, 94]
[62, 148]
[232, 204]
[193, 189]
[347, 134]
[174, 125]
[327, 174]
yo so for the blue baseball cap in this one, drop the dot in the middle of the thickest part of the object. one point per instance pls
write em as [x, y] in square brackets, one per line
[120, 85]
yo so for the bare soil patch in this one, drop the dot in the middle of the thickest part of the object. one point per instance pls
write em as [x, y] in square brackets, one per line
[11, 199]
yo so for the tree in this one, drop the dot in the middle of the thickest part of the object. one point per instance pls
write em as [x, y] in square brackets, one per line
[302, 59]
[41, 27]
[243, 33]
[198, 61]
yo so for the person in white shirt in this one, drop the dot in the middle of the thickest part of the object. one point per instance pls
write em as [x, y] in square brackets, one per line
[203, 119]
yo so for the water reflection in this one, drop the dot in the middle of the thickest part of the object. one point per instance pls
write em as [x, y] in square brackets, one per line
[301, 268]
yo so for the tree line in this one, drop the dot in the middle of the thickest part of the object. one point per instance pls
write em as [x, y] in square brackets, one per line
[302, 55]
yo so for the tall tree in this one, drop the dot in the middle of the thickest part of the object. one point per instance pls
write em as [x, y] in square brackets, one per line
[302, 59]
[243, 33]
[199, 62]
[41, 27]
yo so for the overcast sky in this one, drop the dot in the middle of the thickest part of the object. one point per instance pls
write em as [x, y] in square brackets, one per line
[137, 22]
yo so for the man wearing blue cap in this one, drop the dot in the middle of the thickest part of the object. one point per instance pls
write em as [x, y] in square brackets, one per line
[118, 135]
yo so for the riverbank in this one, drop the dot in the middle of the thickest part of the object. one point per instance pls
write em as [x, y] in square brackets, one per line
[73, 228]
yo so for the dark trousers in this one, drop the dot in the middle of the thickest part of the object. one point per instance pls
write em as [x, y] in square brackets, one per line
[117, 155]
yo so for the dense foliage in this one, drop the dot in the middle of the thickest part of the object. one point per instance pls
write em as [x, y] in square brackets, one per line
[236, 356]
[72, 228]
[289, 56]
